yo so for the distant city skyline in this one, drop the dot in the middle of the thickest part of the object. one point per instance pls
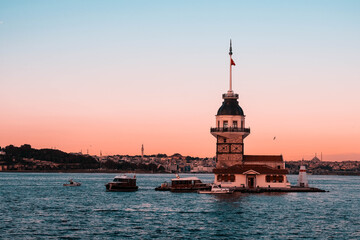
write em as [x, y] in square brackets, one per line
[110, 76]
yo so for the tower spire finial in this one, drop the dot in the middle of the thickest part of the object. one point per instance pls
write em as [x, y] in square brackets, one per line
[230, 51]
[232, 63]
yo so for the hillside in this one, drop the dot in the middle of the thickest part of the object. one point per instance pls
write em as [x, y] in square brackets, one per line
[28, 158]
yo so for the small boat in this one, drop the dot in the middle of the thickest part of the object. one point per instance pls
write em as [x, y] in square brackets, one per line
[122, 184]
[72, 184]
[189, 184]
[216, 189]
[165, 186]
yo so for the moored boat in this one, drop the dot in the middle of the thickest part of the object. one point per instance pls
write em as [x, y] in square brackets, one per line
[72, 184]
[165, 186]
[189, 184]
[216, 189]
[122, 184]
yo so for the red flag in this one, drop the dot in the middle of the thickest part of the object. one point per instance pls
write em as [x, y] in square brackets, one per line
[232, 62]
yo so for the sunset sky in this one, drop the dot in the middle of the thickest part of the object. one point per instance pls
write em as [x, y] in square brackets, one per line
[112, 75]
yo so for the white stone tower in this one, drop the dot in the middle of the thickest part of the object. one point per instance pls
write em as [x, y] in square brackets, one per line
[230, 128]
[302, 180]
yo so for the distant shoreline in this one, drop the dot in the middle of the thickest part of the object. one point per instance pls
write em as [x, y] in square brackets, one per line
[147, 172]
[94, 171]
[79, 171]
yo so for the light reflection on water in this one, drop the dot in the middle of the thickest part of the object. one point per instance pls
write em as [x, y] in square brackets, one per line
[36, 205]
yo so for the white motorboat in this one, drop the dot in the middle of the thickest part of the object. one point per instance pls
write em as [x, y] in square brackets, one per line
[216, 189]
[72, 184]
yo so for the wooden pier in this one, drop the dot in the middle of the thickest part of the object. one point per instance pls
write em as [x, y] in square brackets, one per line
[291, 189]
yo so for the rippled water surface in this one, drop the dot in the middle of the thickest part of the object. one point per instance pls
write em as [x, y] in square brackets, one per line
[37, 206]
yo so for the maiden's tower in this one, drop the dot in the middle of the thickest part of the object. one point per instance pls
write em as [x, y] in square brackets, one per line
[233, 168]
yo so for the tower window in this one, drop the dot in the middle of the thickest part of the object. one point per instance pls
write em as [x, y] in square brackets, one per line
[218, 124]
[225, 124]
[235, 124]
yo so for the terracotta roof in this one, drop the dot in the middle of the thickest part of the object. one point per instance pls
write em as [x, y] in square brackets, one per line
[239, 168]
[263, 158]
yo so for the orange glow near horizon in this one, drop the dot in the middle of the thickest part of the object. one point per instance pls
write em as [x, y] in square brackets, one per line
[97, 134]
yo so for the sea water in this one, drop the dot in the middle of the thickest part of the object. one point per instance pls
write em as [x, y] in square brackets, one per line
[37, 206]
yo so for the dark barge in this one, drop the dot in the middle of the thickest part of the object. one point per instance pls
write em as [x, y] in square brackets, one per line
[122, 184]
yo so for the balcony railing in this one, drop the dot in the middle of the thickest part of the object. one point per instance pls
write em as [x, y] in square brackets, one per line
[230, 129]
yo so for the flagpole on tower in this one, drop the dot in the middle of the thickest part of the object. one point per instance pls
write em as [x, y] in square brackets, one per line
[230, 53]
[230, 92]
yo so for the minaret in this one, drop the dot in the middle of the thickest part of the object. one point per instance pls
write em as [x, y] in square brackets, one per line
[142, 151]
[230, 128]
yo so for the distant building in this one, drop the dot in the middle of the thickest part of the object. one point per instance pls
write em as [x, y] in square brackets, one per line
[173, 168]
[233, 168]
[315, 159]
[202, 169]
[177, 156]
[3, 167]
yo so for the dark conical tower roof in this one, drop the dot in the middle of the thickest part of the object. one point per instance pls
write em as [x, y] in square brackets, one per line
[230, 106]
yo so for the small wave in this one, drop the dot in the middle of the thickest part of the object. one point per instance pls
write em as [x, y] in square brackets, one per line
[106, 210]
[130, 210]
[206, 212]
[138, 227]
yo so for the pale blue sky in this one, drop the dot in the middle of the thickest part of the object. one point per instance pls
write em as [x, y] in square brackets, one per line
[297, 70]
